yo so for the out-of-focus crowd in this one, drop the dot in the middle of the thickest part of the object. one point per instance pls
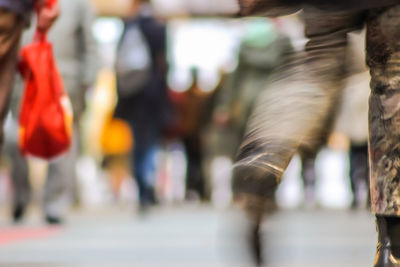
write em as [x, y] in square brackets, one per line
[160, 110]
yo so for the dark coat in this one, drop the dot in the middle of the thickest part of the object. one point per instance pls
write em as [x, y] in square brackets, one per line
[146, 110]
[284, 7]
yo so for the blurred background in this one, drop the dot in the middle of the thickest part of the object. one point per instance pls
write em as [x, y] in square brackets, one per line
[148, 179]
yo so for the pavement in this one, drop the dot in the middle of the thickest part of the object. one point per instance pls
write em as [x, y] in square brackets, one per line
[188, 236]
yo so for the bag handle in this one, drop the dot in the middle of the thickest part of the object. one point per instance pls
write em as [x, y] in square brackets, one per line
[40, 36]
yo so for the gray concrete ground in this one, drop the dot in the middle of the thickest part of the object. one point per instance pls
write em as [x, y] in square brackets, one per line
[189, 236]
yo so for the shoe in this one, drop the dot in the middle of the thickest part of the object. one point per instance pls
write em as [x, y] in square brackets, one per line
[53, 220]
[388, 248]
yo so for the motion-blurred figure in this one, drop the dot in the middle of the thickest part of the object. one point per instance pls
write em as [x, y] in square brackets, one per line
[192, 110]
[142, 96]
[306, 95]
[75, 52]
[262, 50]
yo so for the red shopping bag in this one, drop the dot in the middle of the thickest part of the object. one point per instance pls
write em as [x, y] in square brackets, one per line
[45, 122]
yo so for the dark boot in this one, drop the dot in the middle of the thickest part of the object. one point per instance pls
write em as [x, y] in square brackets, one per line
[256, 244]
[388, 248]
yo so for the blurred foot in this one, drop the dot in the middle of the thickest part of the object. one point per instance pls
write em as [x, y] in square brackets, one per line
[255, 209]
[18, 213]
[309, 202]
[53, 220]
[192, 196]
[143, 209]
[354, 205]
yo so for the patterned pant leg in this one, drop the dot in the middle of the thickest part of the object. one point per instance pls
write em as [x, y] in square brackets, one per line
[294, 111]
[383, 58]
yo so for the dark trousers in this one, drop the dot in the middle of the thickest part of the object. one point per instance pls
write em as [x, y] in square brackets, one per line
[359, 169]
[308, 177]
[194, 174]
[144, 165]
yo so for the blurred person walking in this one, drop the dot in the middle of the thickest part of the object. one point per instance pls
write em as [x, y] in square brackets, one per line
[141, 70]
[192, 109]
[307, 93]
[262, 49]
[75, 52]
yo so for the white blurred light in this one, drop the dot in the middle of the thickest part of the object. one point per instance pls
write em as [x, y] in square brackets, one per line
[179, 80]
[290, 193]
[333, 188]
[208, 45]
[107, 30]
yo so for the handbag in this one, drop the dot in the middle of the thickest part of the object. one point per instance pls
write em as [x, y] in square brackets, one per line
[46, 120]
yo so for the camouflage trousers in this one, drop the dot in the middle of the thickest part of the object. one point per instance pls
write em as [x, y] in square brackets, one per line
[296, 111]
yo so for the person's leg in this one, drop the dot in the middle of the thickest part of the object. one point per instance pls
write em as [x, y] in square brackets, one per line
[144, 172]
[20, 180]
[59, 188]
[383, 58]
[293, 112]
[11, 27]
[354, 157]
[194, 174]
[138, 165]
[358, 169]
[150, 170]
[308, 177]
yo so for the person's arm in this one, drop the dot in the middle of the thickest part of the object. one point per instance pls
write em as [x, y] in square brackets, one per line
[48, 11]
